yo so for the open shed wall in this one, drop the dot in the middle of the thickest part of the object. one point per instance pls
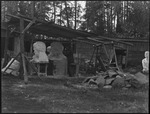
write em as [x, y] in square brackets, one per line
[136, 52]
[84, 50]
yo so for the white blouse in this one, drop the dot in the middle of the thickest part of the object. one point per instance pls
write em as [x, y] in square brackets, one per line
[145, 64]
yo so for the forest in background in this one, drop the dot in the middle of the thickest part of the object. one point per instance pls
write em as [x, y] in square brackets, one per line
[123, 19]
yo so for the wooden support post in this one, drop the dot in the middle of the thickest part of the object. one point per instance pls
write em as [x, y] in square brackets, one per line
[31, 65]
[115, 58]
[93, 54]
[127, 54]
[28, 26]
[77, 64]
[22, 50]
[6, 46]
[96, 56]
[105, 51]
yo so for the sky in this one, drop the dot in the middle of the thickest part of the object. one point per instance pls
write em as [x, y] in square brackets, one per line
[83, 6]
[82, 3]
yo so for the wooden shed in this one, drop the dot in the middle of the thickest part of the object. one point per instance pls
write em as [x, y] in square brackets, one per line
[135, 53]
[132, 55]
[41, 31]
[46, 32]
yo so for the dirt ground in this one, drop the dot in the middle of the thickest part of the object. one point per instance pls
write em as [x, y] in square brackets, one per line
[52, 95]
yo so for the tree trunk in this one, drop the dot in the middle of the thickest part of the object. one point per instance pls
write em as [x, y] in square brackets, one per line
[127, 11]
[32, 9]
[107, 21]
[121, 12]
[67, 14]
[60, 12]
[75, 14]
[114, 22]
[54, 11]
[41, 10]
[108, 27]
[111, 18]
[104, 18]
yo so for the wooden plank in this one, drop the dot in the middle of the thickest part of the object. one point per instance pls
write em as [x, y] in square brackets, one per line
[95, 40]
[11, 62]
[10, 15]
[106, 51]
[107, 43]
[28, 26]
[6, 46]
[116, 62]
[127, 55]
[111, 39]
[71, 31]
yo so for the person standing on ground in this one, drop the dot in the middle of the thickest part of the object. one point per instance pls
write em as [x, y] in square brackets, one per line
[145, 62]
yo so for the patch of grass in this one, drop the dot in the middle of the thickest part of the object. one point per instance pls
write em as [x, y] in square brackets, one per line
[50, 95]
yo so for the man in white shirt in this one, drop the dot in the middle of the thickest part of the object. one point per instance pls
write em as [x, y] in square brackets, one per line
[145, 62]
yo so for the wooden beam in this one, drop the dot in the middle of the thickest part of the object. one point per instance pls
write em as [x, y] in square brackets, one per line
[95, 40]
[106, 52]
[79, 33]
[119, 46]
[11, 62]
[111, 39]
[6, 43]
[22, 50]
[107, 43]
[28, 26]
[29, 18]
[10, 15]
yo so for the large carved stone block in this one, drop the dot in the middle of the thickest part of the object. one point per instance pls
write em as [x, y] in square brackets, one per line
[59, 59]
[40, 52]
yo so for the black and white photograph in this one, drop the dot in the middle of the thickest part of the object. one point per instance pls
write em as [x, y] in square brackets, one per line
[75, 56]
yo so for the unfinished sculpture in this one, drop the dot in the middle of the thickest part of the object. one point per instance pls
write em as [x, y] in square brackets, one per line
[50, 65]
[39, 53]
[49, 49]
[145, 62]
[59, 59]
[13, 68]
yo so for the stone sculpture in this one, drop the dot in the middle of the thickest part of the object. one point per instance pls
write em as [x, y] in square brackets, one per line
[39, 52]
[58, 58]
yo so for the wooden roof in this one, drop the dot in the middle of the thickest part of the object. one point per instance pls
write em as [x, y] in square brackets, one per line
[52, 30]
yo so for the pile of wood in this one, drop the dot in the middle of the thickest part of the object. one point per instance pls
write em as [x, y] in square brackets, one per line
[117, 79]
